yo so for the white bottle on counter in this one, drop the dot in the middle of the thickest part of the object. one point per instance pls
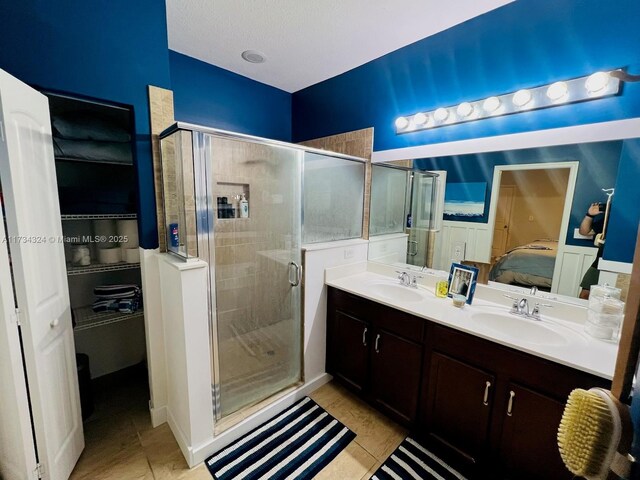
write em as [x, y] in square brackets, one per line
[244, 207]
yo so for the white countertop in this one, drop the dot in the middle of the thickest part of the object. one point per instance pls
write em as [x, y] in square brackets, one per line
[581, 351]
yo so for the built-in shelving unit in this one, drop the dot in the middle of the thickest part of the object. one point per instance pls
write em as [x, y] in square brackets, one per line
[94, 143]
[99, 216]
[86, 318]
[101, 267]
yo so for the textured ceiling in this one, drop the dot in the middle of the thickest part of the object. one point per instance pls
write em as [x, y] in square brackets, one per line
[305, 41]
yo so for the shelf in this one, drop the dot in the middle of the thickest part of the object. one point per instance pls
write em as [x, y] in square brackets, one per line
[86, 318]
[100, 216]
[101, 267]
[98, 162]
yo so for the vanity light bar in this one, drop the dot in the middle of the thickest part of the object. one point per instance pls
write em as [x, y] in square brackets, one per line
[590, 87]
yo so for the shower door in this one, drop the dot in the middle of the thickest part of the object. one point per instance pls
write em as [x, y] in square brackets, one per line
[421, 205]
[255, 282]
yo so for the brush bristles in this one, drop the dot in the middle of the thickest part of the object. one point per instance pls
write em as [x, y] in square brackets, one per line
[585, 433]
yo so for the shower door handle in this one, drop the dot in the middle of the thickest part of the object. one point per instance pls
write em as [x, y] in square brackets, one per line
[297, 270]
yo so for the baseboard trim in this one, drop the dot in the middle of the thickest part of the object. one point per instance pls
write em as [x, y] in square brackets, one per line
[198, 453]
[181, 439]
[158, 416]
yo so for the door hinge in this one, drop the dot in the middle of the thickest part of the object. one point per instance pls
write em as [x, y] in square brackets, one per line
[16, 317]
[39, 471]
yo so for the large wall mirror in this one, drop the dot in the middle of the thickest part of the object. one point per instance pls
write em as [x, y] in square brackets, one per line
[520, 214]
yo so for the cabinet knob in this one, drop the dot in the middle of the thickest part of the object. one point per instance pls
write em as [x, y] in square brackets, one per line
[54, 323]
[512, 395]
[364, 337]
[376, 344]
[485, 400]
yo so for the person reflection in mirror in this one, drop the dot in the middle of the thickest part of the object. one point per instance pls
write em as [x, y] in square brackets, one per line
[592, 224]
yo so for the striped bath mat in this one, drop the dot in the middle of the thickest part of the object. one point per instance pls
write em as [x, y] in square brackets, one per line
[296, 444]
[412, 461]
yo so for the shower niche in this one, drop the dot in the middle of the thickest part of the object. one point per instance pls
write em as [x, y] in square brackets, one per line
[255, 261]
[228, 200]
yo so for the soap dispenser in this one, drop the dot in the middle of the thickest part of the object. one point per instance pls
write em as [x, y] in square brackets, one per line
[244, 207]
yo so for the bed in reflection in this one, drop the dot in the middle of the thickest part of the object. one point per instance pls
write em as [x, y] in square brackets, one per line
[527, 265]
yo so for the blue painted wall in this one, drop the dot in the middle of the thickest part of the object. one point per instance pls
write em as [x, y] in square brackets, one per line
[625, 210]
[211, 96]
[598, 169]
[523, 44]
[106, 49]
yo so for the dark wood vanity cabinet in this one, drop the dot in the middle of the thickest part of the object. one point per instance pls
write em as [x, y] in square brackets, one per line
[507, 405]
[350, 352]
[395, 375]
[490, 410]
[528, 447]
[457, 407]
[377, 352]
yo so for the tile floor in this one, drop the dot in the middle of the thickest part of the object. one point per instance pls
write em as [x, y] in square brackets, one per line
[121, 445]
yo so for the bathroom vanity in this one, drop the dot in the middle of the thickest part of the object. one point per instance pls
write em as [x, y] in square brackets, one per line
[482, 396]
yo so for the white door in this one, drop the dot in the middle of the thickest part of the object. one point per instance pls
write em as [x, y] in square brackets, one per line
[503, 217]
[17, 451]
[27, 172]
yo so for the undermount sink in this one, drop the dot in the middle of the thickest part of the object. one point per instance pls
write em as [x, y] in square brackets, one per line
[522, 329]
[392, 291]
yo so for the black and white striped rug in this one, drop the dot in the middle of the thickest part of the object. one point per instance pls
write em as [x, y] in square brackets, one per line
[412, 461]
[296, 444]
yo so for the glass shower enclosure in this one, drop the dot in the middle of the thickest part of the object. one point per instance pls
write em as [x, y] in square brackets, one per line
[236, 202]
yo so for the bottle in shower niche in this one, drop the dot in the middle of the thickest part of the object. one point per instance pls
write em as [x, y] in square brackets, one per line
[244, 207]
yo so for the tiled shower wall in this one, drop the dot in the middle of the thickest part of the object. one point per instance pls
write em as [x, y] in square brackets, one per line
[161, 115]
[251, 254]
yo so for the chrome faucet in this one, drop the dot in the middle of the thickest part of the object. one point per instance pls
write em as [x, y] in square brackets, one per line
[404, 277]
[533, 290]
[520, 307]
[407, 279]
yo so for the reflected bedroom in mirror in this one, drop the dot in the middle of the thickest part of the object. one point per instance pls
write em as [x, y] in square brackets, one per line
[551, 219]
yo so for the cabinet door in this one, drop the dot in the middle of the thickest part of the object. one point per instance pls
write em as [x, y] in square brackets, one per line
[395, 375]
[458, 406]
[349, 347]
[528, 444]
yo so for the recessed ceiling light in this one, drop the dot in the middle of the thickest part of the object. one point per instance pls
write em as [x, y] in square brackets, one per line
[253, 56]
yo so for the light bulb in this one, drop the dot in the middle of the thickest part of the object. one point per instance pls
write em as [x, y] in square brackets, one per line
[521, 97]
[441, 114]
[597, 82]
[402, 123]
[465, 109]
[420, 119]
[557, 91]
[491, 104]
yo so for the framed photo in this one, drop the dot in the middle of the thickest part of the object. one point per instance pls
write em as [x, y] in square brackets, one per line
[462, 281]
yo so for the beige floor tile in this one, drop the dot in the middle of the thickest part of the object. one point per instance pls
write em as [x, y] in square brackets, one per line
[371, 471]
[120, 443]
[352, 463]
[130, 464]
[375, 433]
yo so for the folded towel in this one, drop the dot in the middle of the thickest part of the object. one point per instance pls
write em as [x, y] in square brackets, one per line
[117, 291]
[125, 305]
